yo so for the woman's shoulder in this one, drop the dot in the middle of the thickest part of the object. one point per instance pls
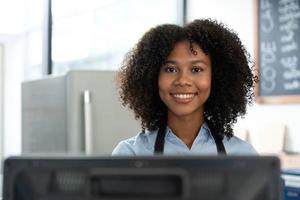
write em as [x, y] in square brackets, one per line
[125, 147]
[236, 146]
[140, 144]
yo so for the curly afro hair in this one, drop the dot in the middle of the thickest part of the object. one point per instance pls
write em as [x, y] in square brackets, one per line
[232, 77]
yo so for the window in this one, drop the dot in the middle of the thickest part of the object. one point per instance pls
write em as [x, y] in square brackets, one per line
[97, 34]
[33, 39]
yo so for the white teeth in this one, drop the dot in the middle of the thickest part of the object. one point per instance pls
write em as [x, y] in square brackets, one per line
[183, 96]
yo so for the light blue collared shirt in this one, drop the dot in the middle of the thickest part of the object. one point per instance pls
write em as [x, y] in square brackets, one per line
[204, 144]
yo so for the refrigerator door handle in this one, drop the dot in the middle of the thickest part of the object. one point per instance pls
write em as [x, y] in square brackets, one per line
[88, 125]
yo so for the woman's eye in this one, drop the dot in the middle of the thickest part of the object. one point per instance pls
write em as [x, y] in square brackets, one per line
[197, 69]
[170, 69]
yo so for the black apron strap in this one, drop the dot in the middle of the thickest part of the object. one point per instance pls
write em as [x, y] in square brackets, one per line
[220, 146]
[160, 141]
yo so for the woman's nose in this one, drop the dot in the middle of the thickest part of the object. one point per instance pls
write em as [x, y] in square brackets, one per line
[183, 79]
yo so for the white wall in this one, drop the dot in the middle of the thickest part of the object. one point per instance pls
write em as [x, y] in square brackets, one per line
[239, 15]
[13, 75]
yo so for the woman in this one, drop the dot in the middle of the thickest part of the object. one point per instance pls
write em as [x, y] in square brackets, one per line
[187, 85]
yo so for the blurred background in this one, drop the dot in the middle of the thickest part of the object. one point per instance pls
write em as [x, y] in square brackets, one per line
[91, 36]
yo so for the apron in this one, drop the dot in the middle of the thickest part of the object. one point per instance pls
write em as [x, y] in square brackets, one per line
[160, 141]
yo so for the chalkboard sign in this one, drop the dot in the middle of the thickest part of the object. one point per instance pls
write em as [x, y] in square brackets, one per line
[278, 28]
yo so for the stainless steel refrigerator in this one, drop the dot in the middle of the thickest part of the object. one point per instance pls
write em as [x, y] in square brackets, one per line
[79, 112]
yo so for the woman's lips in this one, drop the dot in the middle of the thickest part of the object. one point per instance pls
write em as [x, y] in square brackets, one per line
[183, 97]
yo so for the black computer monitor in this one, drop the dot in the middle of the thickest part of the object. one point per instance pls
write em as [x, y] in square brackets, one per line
[141, 178]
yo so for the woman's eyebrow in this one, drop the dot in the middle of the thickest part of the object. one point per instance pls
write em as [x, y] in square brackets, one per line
[198, 61]
[192, 62]
[170, 62]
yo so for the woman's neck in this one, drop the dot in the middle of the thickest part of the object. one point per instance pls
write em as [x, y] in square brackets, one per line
[186, 127]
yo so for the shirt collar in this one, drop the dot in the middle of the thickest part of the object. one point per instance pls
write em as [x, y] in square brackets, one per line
[203, 134]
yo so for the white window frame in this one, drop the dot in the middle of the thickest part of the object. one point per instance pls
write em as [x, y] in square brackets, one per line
[1, 102]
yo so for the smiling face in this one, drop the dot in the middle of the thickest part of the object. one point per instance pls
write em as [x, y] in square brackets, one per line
[185, 80]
